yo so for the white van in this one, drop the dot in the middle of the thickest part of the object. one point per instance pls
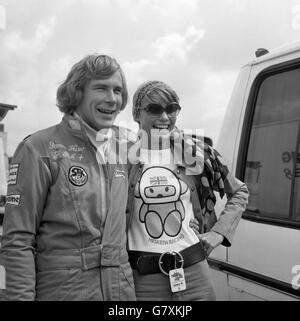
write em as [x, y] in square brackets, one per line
[4, 109]
[3, 177]
[260, 140]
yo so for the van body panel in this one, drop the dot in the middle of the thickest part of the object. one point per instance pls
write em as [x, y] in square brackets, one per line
[3, 179]
[243, 290]
[220, 282]
[266, 249]
[3, 186]
[227, 145]
[282, 53]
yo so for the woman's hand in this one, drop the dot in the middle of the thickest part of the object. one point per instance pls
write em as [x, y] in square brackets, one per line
[194, 224]
[210, 240]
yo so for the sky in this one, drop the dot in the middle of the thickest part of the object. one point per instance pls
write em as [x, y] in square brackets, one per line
[195, 46]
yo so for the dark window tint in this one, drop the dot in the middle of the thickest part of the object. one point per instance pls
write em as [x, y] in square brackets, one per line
[273, 159]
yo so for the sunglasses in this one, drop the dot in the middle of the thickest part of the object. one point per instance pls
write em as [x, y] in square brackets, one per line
[172, 109]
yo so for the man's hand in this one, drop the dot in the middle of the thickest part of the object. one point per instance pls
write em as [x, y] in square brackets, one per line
[210, 240]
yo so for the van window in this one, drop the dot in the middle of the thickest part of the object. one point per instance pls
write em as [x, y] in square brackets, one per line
[272, 170]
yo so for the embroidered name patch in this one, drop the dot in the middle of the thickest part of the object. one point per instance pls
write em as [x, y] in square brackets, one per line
[77, 176]
[13, 174]
[13, 199]
[59, 151]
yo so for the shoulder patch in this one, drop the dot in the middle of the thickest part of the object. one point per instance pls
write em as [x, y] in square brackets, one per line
[13, 174]
[13, 199]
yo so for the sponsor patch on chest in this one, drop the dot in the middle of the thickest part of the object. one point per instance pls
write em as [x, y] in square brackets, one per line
[119, 173]
[77, 176]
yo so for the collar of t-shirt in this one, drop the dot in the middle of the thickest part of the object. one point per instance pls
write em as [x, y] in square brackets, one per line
[156, 156]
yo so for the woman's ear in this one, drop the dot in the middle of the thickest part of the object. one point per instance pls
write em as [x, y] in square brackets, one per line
[137, 116]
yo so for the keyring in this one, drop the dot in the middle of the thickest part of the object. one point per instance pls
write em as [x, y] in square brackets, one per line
[160, 262]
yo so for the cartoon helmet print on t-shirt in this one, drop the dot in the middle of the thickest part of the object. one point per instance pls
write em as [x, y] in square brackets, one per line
[162, 210]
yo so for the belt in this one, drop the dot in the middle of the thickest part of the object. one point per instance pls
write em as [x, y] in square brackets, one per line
[106, 255]
[148, 262]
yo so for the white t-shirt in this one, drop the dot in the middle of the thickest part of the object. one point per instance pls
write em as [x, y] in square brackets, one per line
[162, 207]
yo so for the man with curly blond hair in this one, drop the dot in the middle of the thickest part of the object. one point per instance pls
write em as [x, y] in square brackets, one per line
[64, 225]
